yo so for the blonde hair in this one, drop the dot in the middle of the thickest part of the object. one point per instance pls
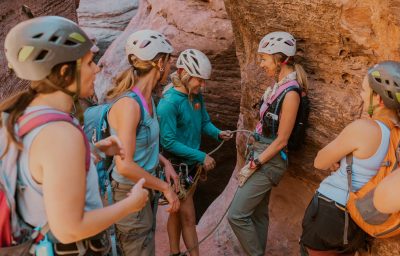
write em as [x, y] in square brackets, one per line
[181, 79]
[126, 79]
[301, 75]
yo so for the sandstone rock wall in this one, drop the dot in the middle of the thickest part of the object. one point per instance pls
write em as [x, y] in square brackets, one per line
[10, 15]
[105, 20]
[338, 41]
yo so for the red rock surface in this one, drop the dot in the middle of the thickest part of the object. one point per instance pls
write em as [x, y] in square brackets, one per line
[10, 15]
[338, 41]
[105, 21]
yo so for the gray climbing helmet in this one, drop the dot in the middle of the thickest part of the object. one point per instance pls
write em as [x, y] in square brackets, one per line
[195, 63]
[384, 79]
[276, 42]
[35, 46]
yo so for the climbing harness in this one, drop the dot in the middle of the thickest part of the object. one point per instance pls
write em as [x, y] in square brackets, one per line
[197, 176]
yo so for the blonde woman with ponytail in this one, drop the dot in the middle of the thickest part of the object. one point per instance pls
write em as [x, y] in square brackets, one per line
[248, 215]
[148, 53]
[60, 187]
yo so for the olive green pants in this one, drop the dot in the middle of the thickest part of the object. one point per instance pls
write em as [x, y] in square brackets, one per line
[248, 215]
[135, 234]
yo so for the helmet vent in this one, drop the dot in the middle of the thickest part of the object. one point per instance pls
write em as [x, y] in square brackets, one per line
[389, 93]
[145, 43]
[54, 38]
[197, 72]
[191, 71]
[38, 35]
[387, 82]
[279, 39]
[70, 43]
[185, 57]
[265, 44]
[378, 79]
[289, 42]
[134, 42]
[42, 55]
[153, 37]
[191, 52]
[395, 84]
[195, 60]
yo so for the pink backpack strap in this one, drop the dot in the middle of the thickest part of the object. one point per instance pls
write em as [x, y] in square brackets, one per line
[40, 117]
[281, 89]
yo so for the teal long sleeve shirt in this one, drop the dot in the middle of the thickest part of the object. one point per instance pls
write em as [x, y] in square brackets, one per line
[181, 124]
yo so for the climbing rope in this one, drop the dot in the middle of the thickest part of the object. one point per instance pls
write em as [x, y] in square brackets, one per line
[230, 204]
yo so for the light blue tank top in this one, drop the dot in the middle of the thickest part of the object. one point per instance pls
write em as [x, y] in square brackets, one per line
[147, 146]
[335, 186]
[30, 197]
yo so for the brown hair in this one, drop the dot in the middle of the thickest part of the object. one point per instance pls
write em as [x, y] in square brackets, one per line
[301, 75]
[126, 79]
[16, 104]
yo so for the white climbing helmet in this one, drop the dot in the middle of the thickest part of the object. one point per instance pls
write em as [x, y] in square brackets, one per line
[276, 42]
[195, 63]
[146, 44]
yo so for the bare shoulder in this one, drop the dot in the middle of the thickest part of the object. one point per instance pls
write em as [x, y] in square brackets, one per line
[125, 104]
[363, 127]
[59, 136]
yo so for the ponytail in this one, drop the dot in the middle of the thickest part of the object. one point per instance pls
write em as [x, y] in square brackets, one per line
[126, 79]
[301, 75]
[122, 83]
[15, 107]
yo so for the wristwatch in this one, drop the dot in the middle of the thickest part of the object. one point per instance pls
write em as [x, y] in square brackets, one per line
[257, 163]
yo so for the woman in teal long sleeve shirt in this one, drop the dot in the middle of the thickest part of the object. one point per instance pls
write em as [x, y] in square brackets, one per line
[183, 119]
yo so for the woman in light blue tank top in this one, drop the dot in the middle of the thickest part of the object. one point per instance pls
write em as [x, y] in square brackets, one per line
[325, 229]
[57, 180]
[132, 117]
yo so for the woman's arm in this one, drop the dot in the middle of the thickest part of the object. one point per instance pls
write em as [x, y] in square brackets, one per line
[362, 137]
[124, 118]
[288, 115]
[58, 159]
[167, 114]
[169, 172]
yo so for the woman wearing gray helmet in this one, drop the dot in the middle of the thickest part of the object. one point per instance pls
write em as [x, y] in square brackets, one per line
[55, 55]
[183, 120]
[248, 215]
[132, 117]
[326, 228]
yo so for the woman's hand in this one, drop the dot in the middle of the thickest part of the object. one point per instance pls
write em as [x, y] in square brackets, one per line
[334, 167]
[225, 135]
[172, 199]
[111, 146]
[170, 174]
[138, 196]
[209, 163]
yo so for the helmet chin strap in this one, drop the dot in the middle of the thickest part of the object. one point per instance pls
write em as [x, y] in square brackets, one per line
[371, 106]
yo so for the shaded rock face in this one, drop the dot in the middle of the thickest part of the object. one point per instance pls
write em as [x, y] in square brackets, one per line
[337, 42]
[191, 24]
[10, 15]
[104, 20]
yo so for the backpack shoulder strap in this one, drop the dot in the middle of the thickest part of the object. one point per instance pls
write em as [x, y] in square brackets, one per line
[283, 89]
[35, 119]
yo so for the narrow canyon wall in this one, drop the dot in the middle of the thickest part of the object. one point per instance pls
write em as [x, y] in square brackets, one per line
[105, 20]
[10, 15]
[338, 41]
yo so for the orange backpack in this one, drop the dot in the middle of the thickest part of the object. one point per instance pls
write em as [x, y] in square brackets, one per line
[360, 204]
